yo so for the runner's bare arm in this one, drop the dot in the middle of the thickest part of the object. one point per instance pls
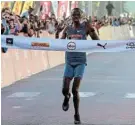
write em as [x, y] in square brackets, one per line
[57, 35]
[92, 33]
[64, 34]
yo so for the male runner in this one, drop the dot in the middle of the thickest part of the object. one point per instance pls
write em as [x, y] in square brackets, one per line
[75, 62]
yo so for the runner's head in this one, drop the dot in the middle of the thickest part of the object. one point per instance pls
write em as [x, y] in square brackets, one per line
[76, 14]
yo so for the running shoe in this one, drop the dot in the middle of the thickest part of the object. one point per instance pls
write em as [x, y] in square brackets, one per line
[65, 105]
[77, 119]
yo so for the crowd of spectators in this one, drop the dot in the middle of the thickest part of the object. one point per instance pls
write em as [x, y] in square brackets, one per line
[27, 24]
[112, 21]
[31, 25]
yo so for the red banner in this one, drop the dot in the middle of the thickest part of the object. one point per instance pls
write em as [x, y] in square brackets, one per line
[74, 4]
[62, 8]
[45, 9]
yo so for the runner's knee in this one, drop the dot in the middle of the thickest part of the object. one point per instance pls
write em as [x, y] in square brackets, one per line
[65, 91]
[66, 84]
[75, 92]
[76, 84]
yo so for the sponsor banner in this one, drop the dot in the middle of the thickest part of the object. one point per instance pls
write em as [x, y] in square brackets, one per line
[55, 7]
[68, 10]
[98, 4]
[82, 5]
[36, 6]
[17, 7]
[26, 6]
[7, 4]
[50, 44]
[46, 9]
[62, 8]
[87, 7]
[38, 44]
[74, 4]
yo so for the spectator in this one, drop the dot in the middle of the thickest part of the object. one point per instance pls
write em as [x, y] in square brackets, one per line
[115, 22]
[4, 31]
[27, 13]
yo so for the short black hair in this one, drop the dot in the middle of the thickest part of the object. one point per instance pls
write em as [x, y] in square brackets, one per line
[76, 9]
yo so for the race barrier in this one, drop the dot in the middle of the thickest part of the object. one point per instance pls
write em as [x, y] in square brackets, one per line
[123, 32]
[18, 64]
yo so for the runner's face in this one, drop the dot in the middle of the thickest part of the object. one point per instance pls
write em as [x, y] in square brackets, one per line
[76, 16]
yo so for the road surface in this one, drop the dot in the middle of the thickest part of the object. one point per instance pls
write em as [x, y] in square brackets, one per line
[109, 98]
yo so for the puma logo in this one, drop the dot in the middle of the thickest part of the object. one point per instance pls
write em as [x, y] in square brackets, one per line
[100, 45]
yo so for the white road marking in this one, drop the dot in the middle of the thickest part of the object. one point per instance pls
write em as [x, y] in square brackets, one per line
[24, 95]
[44, 79]
[16, 107]
[85, 94]
[29, 99]
[130, 95]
